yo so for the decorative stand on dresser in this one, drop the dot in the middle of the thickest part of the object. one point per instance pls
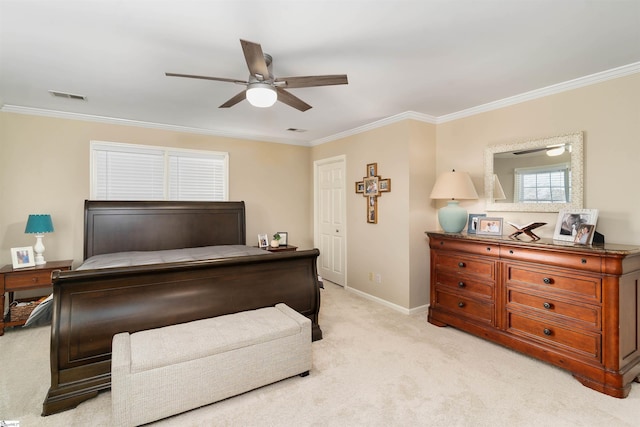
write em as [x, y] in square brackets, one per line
[575, 306]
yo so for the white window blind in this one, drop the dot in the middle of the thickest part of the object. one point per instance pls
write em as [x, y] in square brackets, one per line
[548, 184]
[135, 172]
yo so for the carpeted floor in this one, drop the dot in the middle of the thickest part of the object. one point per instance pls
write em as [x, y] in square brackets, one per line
[374, 367]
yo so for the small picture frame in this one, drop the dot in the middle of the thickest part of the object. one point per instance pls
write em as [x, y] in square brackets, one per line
[263, 241]
[584, 235]
[23, 257]
[384, 185]
[360, 187]
[372, 210]
[372, 169]
[473, 223]
[489, 226]
[570, 220]
[284, 238]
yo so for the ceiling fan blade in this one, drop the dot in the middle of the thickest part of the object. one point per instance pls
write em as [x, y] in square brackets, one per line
[309, 81]
[255, 59]
[291, 100]
[220, 79]
[233, 101]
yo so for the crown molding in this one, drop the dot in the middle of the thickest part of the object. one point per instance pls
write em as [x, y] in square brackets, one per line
[151, 125]
[603, 76]
[377, 124]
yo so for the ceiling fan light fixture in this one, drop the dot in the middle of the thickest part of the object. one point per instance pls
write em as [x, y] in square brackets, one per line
[261, 95]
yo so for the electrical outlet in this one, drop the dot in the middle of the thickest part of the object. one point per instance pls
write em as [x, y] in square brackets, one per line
[378, 278]
[370, 276]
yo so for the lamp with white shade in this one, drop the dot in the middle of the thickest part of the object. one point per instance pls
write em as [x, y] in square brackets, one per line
[39, 224]
[453, 186]
[498, 192]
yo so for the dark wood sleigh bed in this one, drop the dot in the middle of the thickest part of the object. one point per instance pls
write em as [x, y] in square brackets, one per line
[90, 306]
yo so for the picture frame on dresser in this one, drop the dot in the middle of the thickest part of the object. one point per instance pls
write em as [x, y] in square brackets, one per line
[23, 257]
[570, 220]
[263, 241]
[489, 226]
[473, 222]
[284, 238]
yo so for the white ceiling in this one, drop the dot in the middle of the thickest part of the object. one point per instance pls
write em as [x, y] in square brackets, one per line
[431, 58]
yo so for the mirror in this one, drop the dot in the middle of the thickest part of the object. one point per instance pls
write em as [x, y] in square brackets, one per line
[543, 175]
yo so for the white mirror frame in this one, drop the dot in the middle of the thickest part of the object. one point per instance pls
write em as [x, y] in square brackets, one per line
[576, 141]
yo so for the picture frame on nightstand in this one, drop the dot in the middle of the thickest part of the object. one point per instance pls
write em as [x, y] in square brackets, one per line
[284, 238]
[23, 257]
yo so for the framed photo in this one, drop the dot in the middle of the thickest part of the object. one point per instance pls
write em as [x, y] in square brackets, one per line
[584, 235]
[360, 187]
[489, 226]
[372, 169]
[473, 223]
[384, 185]
[371, 186]
[263, 241]
[23, 257]
[570, 220]
[372, 210]
[284, 238]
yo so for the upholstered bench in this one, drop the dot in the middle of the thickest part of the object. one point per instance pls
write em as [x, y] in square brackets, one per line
[161, 372]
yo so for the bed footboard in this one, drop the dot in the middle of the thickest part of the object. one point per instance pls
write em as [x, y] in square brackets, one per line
[91, 306]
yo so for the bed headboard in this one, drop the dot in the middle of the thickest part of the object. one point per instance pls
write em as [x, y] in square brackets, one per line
[120, 226]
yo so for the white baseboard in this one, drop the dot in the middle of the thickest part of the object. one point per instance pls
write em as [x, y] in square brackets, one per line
[396, 307]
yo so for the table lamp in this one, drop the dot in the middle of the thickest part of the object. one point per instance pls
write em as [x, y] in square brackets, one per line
[453, 185]
[498, 192]
[39, 224]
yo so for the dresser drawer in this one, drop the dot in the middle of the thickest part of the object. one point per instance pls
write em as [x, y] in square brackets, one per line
[27, 279]
[461, 264]
[465, 246]
[464, 306]
[465, 284]
[586, 315]
[577, 261]
[554, 281]
[542, 330]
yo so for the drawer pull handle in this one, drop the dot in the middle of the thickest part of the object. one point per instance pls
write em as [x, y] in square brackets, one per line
[547, 281]
[461, 284]
[488, 249]
[547, 331]
[461, 264]
[511, 252]
[461, 304]
[34, 279]
[547, 305]
[583, 260]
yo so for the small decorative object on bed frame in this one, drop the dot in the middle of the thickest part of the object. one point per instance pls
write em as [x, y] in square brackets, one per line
[284, 238]
[23, 257]
[489, 226]
[263, 240]
[473, 223]
[570, 222]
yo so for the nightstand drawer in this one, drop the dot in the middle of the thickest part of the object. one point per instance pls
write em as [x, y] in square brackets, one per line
[464, 306]
[585, 315]
[583, 343]
[27, 279]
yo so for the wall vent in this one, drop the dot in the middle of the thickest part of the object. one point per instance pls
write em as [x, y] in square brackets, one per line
[67, 95]
[296, 130]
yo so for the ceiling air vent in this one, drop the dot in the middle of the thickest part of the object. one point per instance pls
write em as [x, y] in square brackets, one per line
[296, 130]
[67, 95]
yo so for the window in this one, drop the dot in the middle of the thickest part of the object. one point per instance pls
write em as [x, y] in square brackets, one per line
[139, 172]
[548, 184]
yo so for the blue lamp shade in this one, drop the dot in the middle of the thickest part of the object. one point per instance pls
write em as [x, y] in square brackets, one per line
[39, 224]
[453, 185]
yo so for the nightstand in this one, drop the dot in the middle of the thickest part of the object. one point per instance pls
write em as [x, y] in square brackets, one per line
[284, 248]
[22, 279]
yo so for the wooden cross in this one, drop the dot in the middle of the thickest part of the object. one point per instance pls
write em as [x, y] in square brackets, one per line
[372, 187]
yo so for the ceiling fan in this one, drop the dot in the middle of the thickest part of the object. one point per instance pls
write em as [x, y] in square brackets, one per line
[263, 89]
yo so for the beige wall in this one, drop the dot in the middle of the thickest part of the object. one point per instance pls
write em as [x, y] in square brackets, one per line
[44, 168]
[394, 247]
[609, 115]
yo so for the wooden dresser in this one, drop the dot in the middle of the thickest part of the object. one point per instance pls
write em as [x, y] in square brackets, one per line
[577, 307]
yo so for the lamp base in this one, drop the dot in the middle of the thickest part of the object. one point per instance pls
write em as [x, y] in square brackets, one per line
[39, 250]
[452, 217]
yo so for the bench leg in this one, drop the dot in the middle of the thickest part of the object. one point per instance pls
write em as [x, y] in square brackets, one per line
[304, 374]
